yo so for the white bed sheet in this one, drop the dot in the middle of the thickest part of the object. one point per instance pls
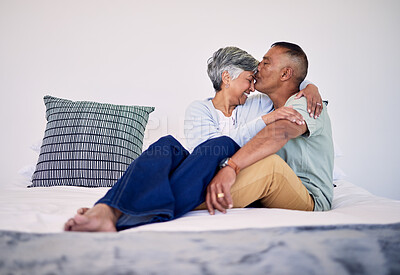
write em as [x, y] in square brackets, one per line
[45, 209]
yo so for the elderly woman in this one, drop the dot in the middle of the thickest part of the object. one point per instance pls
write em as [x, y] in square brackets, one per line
[166, 181]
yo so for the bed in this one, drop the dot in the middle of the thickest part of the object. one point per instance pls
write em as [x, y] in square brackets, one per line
[360, 235]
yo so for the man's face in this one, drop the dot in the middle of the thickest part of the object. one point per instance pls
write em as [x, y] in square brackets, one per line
[269, 70]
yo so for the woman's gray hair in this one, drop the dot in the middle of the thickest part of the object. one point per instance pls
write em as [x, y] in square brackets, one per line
[230, 59]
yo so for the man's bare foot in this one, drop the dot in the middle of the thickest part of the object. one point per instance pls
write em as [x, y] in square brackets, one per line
[100, 218]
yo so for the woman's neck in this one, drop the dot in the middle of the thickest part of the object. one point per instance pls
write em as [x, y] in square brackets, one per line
[221, 102]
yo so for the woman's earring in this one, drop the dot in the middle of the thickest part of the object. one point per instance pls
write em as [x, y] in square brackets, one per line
[227, 86]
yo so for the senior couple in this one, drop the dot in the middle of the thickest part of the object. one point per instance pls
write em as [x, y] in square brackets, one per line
[274, 149]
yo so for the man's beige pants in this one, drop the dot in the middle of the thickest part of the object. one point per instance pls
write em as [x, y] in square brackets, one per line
[271, 182]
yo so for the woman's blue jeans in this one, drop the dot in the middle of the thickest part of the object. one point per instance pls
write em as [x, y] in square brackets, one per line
[165, 181]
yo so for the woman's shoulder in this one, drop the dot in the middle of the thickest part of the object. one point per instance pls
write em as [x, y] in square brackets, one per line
[200, 106]
[258, 98]
[201, 102]
[255, 106]
[259, 101]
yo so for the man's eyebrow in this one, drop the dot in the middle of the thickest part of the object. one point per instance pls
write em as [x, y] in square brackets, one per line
[266, 58]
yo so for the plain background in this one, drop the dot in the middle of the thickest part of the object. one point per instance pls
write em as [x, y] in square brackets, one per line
[154, 53]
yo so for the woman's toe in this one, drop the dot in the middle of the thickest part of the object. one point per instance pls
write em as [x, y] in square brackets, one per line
[82, 210]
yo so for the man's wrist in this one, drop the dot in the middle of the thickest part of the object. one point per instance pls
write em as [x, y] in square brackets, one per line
[229, 162]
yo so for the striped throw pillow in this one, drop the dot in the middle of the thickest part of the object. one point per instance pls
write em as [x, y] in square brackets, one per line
[88, 144]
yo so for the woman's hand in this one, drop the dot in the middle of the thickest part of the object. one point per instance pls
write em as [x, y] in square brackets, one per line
[314, 100]
[287, 113]
[219, 191]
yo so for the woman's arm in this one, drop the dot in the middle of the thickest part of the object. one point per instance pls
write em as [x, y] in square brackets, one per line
[314, 100]
[201, 124]
[287, 113]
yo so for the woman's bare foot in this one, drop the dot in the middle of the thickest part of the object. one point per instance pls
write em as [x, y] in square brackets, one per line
[100, 218]
[82, 210]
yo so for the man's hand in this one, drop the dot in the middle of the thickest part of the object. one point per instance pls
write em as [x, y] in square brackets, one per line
[219, 190]
[287, 113]
[314, 100]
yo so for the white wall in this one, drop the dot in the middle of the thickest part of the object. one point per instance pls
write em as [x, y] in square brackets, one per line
[154, 53]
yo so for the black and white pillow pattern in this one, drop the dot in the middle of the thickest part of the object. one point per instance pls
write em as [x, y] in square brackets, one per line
[88, 144]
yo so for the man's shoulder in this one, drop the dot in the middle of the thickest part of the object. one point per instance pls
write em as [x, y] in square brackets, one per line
[297, 103]
[314, 125]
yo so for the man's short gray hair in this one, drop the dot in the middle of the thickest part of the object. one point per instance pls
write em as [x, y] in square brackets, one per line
[230, 59]
[298, 57]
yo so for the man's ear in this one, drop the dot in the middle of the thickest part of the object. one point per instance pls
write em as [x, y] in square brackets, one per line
[286, 73]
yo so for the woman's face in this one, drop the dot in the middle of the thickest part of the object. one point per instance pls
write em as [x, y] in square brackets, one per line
[242, 86]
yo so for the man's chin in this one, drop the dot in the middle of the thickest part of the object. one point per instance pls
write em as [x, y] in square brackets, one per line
[259, 89]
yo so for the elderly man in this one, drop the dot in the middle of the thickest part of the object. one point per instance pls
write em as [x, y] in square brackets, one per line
[286, 165]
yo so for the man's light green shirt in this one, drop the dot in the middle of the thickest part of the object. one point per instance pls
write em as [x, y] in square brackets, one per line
[311, 155]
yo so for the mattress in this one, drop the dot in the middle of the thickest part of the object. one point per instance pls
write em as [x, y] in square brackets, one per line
[45, 210]
[360, 235]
